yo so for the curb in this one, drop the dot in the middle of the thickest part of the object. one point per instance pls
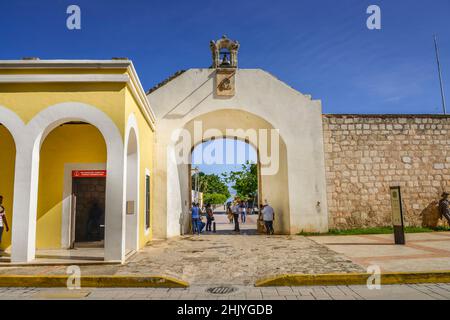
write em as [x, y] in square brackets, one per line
[58, 264]
[100, 281]
[335, 279]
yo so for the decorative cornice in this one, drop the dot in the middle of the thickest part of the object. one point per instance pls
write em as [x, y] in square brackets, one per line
[64, 64]
[53, 78]
[131, 78]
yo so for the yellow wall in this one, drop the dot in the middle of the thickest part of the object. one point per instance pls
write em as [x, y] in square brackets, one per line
[7, 161]
[26, 100]
[72, 143]
[146, 142]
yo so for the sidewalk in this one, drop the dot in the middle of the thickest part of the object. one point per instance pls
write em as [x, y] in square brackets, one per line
[422, 252]
[354, 292]
[226, 258]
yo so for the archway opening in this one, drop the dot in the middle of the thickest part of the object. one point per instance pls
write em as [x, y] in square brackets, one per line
[7, 170]
[225, 182]
[132, 190]
[72, 189]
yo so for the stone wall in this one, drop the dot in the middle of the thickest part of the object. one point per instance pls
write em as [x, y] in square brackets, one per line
[366, 154]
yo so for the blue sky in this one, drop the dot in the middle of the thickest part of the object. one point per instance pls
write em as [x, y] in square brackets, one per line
[319, 47]
[225, 149]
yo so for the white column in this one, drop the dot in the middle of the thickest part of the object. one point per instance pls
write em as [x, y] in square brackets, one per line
[25, 204]
[132, 234]
[115, 207]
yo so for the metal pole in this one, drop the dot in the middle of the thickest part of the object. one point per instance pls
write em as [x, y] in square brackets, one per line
[196, 185]
[444, 108]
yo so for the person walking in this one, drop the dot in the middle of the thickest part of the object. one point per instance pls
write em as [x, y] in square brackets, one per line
[209, 217]
[243, 211]
[3, 221]
[235, 210]
[195, 219]
[444, 206]
[230, 213]
[268, 217]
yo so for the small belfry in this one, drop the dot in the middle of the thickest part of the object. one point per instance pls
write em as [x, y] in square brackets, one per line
[224, 54]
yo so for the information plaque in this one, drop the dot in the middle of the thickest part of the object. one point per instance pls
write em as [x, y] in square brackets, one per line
[397, 215]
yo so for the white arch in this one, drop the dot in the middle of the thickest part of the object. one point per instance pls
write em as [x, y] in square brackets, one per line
[13, 123]
[132, 179]
[27, 173]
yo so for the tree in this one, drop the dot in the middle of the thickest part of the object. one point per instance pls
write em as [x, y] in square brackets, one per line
[213, 185]
[214, 198]
[245, 182]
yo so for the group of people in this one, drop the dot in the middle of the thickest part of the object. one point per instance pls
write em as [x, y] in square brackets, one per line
[236, 211]
[239, 210]
[196, 213]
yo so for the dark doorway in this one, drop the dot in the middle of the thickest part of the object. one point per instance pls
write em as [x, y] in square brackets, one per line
[88, 221]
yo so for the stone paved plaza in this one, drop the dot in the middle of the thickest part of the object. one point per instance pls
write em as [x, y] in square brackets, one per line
[392, 292]
[220, 259]
[238, 260]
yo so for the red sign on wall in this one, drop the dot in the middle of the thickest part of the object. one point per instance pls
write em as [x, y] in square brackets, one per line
[88, 173]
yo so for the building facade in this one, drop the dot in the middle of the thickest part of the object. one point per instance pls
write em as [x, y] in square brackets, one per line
[62, 122]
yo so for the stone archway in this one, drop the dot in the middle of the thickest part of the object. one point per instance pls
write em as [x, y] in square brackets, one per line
[261, 101]
[222, 123]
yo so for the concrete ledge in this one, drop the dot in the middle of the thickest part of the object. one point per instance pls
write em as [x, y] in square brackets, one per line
[353, 278]
[55, 281]
[51, 264]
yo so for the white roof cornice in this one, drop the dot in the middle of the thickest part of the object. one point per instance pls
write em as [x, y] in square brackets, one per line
[131, 79]
[64, 64]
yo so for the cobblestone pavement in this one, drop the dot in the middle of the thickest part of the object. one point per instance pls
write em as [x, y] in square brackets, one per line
[220, 259]
[391, 292]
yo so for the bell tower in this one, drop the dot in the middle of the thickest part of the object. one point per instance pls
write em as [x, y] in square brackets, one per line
[224, 52]
[224, 55]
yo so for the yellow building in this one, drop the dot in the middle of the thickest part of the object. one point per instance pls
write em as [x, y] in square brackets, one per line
[76, 139]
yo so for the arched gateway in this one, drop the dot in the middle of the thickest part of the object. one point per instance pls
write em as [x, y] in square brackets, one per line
[250, 104]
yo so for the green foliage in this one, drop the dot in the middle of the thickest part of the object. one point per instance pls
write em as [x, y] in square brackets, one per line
[215, 190]
[245, 182]
[214, 198]
[211, 184]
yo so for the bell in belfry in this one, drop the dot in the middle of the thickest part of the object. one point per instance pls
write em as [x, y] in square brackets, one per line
[225, 62]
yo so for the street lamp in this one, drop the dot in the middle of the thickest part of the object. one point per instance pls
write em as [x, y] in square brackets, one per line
[196, 171]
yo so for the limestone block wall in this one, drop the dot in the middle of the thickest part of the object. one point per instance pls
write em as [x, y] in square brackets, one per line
[366, 154]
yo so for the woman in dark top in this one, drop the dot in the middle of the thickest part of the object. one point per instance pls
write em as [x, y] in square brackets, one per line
[209, 217]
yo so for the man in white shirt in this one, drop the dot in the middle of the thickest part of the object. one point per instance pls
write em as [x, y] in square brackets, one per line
[268, 217]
